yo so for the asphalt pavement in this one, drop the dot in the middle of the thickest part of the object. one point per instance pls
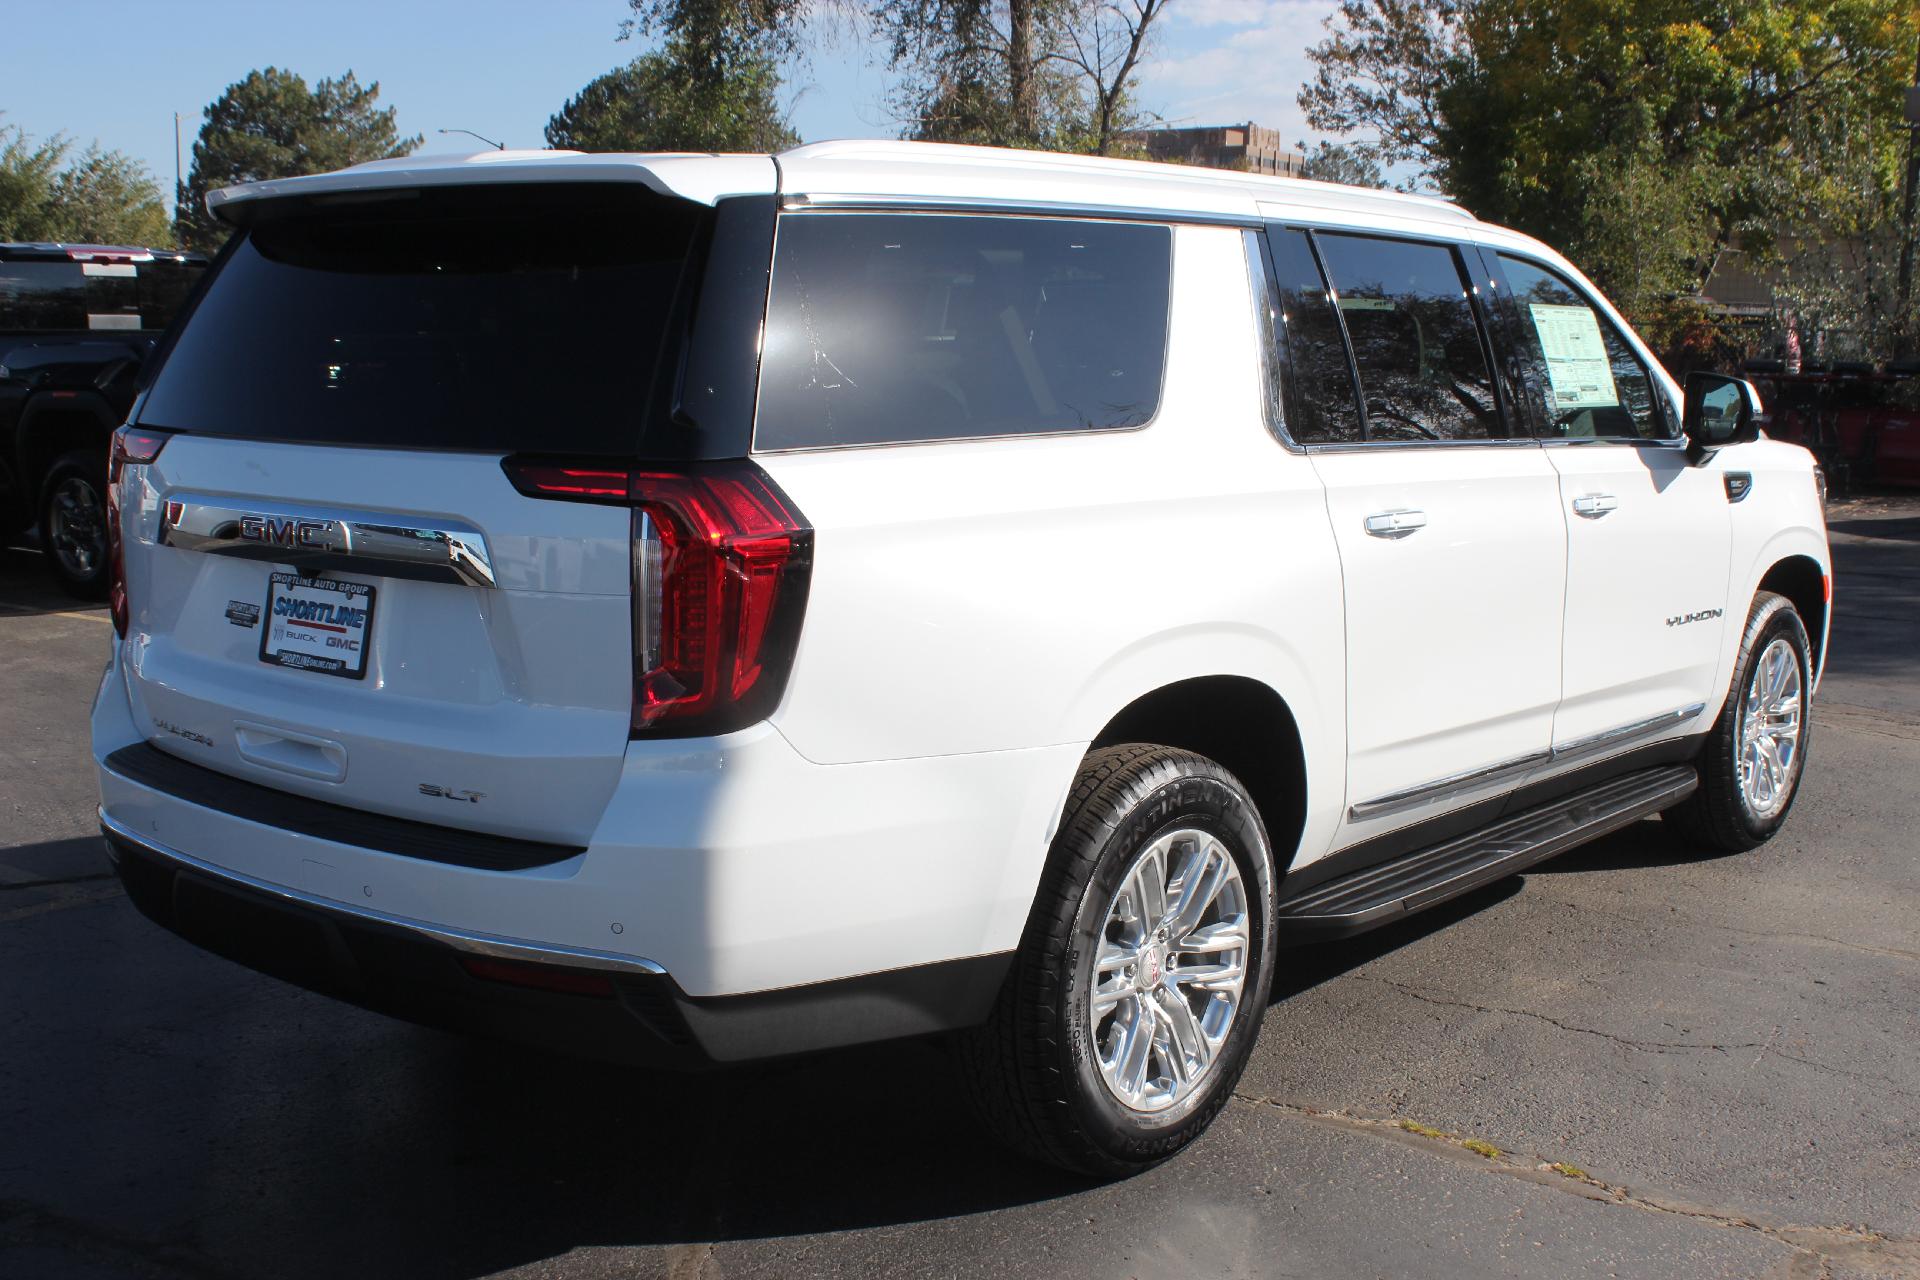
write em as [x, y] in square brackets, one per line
[1634, 1061]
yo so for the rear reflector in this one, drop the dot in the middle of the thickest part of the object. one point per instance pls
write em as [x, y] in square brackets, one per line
[132, 446]
[721, 565]
[538, 977]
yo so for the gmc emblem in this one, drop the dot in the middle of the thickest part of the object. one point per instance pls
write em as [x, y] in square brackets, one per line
[289, 532]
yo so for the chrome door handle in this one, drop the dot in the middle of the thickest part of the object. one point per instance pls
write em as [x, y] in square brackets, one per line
[1594, 505]
[1395, 524]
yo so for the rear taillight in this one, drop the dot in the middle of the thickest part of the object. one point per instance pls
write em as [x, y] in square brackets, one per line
[132, 446]
[721, 564]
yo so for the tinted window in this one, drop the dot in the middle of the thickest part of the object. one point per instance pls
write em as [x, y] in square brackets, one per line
[1416, 341]
[1588, 378]
[1322, 403]
[72, 295]
[490, 318]
[894, 327]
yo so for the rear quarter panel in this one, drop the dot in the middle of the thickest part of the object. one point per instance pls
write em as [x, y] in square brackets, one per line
[999, 595]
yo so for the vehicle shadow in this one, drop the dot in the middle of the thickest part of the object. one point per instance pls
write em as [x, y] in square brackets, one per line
[26, 587]
[1900, 530]
[1650, 843]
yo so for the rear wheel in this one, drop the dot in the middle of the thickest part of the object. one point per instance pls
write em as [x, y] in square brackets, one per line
[73, 524]
[1137, 992]
[1756, 753]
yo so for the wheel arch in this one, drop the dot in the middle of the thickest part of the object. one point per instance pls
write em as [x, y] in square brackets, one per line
[1242, 724]
[1802, 579]
[50, 428]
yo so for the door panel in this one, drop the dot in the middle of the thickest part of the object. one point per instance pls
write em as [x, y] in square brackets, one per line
[1453, 626]
[1647, 574]
[1648, 536]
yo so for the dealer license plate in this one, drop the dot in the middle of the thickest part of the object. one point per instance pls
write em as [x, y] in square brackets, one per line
[317, 624]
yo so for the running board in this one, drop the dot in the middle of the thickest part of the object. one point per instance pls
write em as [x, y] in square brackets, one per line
[1378, 895]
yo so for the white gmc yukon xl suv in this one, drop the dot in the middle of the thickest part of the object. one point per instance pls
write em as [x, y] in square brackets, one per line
[688, 609]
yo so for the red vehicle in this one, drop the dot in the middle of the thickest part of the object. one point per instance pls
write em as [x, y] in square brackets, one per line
[1863, 426]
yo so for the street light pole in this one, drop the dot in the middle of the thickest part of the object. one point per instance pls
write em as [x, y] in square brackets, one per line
[498, 146]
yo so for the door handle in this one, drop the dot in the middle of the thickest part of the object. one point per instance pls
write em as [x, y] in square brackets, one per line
[1395, 524]
[1594, 505]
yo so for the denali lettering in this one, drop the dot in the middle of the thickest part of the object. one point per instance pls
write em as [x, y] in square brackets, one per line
[1685, 618]
[289, 532]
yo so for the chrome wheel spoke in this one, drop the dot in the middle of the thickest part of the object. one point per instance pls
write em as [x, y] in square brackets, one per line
[1770, 729]
[1166, 977]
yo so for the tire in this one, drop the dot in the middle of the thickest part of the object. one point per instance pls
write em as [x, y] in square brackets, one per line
[73, 524]
[1730, 812]
[1035, 1070]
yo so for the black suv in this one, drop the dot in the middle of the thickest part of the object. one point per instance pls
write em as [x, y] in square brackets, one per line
[77, 322]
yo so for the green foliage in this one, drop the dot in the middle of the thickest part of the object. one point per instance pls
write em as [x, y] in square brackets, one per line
[1346, 162]
[271, 125]
[1048, 74]
[97, 197]
[655, 103]
[1641, 136]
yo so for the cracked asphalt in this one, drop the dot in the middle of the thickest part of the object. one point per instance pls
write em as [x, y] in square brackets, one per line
[1635, 1061]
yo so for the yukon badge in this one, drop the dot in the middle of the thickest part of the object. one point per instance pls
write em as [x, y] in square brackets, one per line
[1685, 618]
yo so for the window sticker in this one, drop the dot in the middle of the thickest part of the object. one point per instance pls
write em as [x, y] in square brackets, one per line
[1580, 374]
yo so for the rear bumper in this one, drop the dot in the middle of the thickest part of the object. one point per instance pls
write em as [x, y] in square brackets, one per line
[600, 1005]
[772, 905]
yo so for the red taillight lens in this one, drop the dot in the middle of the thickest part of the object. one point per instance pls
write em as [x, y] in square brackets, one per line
[131, 446]
[721, 565]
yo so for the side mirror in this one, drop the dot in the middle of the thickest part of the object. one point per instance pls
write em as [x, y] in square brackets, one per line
[1720, 411]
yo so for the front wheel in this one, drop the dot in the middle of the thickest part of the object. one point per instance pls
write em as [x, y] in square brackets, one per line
[1134, 1000]
[1756, 753]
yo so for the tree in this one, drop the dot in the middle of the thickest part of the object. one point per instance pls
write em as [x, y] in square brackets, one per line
[271, 125]
[1049, 74]
[1343, 162]
[96, 197]
[654, 104]
[1642, 136]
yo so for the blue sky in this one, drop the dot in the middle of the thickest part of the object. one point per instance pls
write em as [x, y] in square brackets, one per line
[117, 70]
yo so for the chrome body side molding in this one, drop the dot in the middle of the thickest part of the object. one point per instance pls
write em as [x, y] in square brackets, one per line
[479, 944]
[1441, 788]
[310, 537]
[1447, 788]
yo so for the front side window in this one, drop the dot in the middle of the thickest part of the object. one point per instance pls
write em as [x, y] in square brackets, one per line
[1416, 341]
[887, 328]
[1593, 385]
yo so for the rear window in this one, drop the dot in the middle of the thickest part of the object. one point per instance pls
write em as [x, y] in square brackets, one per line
[499, 319]
[63, 295]
[885, 328]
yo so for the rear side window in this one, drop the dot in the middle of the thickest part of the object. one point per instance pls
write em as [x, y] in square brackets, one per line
[1592, 384]
[1416, 340]
[538, 317]
[885, 328]
[66, 295]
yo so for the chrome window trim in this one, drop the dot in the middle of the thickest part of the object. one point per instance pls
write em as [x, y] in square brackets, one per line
[479, 944]
[992, 206]
[1458, 784]
[391, 546]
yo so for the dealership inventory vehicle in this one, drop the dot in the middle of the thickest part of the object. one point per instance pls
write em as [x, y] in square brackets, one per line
[690, 609]
[77, 323]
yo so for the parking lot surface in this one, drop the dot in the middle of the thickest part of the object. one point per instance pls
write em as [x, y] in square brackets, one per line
[1634, 1061]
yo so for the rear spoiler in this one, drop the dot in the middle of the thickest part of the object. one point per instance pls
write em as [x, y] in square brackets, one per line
[706, 179]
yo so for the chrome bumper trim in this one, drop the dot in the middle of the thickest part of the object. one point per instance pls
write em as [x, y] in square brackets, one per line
[479, 944]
